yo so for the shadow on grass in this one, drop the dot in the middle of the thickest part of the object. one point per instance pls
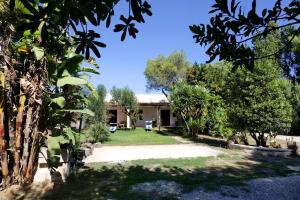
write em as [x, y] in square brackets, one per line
[209, 140]
[204, 139]
[100, 181]
[170, 131]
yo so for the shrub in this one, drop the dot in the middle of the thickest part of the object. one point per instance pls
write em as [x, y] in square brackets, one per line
[295, 129]
[258, 102]
[98, 132]
[201, 111]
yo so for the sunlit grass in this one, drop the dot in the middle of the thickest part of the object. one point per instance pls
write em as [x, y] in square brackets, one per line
[139, 136]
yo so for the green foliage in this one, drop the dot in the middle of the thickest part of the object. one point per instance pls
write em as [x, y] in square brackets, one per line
[60, 101]
[38, 52]
[200, 110]
[163, 72]
[98, 131]
[96, 103]
[211, 76]
[194, 74]
[70, 81]
[218, 123]
[61, 136]
[59, 19]
[126, 98]
[82, 111]
[258, 102]
[295, 128]
[41, 42]
[232, 28]
[289, 57]
[66, 101]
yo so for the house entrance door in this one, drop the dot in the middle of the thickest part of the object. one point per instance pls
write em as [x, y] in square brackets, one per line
[165, 117]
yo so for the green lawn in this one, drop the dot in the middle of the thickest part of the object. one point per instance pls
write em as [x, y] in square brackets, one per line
[139, 136]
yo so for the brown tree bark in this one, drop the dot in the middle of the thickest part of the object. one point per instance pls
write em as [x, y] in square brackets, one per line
[33, 156]
[32, 79]
[3, 142]
[6, 30]
[27, 138]
[19, 124]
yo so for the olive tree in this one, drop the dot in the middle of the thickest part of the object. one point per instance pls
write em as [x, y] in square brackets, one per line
[126, 98]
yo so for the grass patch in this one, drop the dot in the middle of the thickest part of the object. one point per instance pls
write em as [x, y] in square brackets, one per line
[53, 141]
[53, 150]
[103, 181]
[139, 136]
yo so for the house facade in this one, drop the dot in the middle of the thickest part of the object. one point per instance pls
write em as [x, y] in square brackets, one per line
[152, 107]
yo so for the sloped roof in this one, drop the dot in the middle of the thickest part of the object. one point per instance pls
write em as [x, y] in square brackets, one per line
[145, 98]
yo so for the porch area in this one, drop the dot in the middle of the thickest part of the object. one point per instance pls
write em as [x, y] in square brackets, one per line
[160, 115]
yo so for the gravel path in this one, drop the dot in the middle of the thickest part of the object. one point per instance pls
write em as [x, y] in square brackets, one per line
[124, 153]
[276, 188]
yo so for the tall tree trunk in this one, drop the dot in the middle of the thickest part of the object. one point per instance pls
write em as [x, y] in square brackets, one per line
[262, 139]
[33, 156]
[27, 138]
[33, 74]
[19, 125]
[6, 30]
[253, 135]
[3, 142]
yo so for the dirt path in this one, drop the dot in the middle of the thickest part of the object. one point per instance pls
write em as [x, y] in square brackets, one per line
[124, 153]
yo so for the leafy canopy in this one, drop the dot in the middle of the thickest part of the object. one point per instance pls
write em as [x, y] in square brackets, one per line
[231, 29]
[211, 76]
[201, 111]
[164, 71]
[56, 19]
[259, 101]
[125, 98]
[96, 103]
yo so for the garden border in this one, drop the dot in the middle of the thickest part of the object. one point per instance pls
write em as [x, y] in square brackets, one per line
[265, 151]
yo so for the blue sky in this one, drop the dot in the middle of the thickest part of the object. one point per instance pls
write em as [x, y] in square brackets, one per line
[123, 63]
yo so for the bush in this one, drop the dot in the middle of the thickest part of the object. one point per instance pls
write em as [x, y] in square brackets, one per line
[295, 129]
[195, 126]
[258, 102]
[201, 111]
[99, 132]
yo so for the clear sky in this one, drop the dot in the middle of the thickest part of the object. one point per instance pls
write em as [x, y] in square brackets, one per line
[123, 63]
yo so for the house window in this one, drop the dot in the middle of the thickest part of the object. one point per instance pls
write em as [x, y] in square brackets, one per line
[141, 117]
